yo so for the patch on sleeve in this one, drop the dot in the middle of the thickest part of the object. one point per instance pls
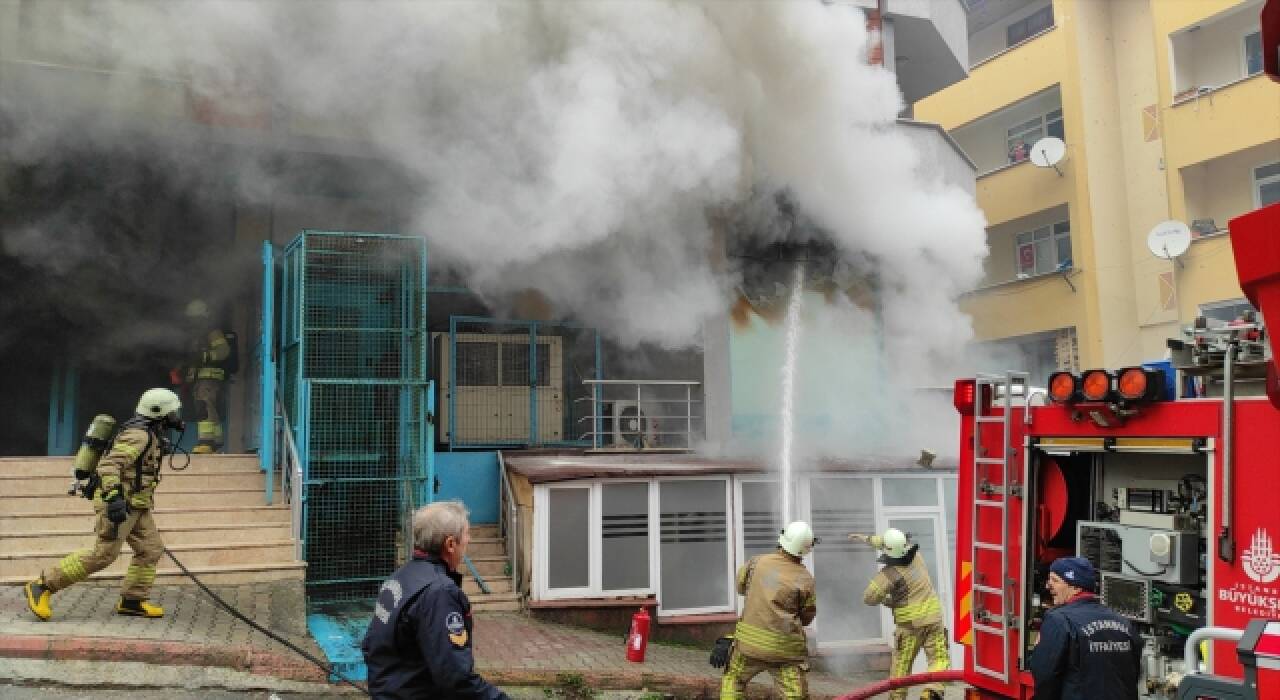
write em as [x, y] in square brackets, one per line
[457, 629]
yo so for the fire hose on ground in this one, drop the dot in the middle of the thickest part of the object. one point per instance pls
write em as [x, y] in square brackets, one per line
[888, 684]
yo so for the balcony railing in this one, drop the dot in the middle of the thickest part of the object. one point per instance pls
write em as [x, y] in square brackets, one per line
[643, 415]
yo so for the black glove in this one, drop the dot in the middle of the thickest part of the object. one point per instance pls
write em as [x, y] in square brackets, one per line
[81, 475]
[117, 507]
[720, 653]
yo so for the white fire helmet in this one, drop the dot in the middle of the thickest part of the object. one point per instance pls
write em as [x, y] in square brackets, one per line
[158, 403]
[894, 543]
[797, 539]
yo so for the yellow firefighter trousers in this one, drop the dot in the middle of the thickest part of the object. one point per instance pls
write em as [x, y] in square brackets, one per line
[139, 530]
[907, 642]
[209, 422]
[788, 677]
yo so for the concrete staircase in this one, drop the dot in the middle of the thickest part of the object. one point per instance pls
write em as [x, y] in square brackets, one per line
[212, 517]
[488, 553]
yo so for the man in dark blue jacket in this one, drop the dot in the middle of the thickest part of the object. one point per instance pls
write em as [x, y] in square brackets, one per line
[1085, 652]
[419, 641]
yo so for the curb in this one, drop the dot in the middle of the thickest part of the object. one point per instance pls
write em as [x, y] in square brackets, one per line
[681, 686]
[238, 658]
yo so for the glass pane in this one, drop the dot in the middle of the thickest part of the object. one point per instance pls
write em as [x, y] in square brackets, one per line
[1267, 171]
[567, 538]
[922, 533]
[1064, 249]
[1024, 237]
[1253, 54]
[1045, 261]
[1062, 227]
[1269, 193]
[1041, 233]
[1040, 21]
[761, 521]
[1055, 115]
[624, 557]
[1027, 259]
[842, 568]
[1055, 128]
[694, 551]
[1030, 125]
[909, 492]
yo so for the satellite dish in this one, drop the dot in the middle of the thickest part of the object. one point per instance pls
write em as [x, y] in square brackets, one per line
[1169, 239]
[1048, 152]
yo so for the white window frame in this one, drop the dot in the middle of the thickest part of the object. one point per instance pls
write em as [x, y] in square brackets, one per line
[1042, 127]
[1054, 236]
[1244, 51]
[739, 528]
[1258, 183]
[655, 572]
[542, 530]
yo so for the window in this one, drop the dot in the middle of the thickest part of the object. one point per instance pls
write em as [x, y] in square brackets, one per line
[568, 537]
[695, 544]
[1253, 53]
[624, 529]
[1044, 250]
[1023, 136]
[1025, 28]
[1266, 184]
[838, 507]
[1225, 311]
[594, 539]
[761, 520]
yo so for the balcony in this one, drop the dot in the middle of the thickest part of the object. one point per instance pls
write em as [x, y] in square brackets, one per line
[997, 26]
[1221, 103]
[1005, 77]
[1218, 190]
[925, 43]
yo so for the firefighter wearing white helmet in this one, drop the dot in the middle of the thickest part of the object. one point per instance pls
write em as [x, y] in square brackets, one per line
[780, 601]
[903, 585]
[213, 360]
[129, 473]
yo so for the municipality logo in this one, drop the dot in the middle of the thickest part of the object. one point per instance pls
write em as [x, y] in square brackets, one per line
[1261, 563]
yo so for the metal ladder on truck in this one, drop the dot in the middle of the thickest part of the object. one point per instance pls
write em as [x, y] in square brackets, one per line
[992, 494]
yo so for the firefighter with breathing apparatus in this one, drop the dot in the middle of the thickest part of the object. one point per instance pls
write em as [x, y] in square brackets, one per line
[903, 585]
[213, 360]
[122, 486]
[780, 601]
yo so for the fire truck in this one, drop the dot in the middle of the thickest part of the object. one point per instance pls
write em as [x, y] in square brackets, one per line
[1166, 476]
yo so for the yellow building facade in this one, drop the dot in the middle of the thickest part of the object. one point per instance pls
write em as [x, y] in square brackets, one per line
[1165, 114]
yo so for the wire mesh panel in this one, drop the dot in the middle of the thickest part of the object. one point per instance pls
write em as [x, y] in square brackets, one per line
[513, 383]
[353, 379]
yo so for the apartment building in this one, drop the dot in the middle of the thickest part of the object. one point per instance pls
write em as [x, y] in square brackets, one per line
[1166, 115]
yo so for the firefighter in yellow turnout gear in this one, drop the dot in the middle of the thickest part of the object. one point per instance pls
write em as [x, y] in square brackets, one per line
[129, 473]
[207, 375]
[780, 601]
[904, 587]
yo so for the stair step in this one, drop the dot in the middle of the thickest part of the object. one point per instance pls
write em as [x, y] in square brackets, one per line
[77, 514]
[497, 584]
[494, 602]
[192, 555]
[486, 547]
[484, 531]
[175, 481]
[64, 539]
[167, 497]
[211, 575]
[61, 466]
[488, 566]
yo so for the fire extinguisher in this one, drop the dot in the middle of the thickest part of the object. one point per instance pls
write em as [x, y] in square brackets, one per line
[638, 638]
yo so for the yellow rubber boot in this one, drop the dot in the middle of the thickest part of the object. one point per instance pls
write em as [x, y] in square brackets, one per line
[138, 608]
[38, 599]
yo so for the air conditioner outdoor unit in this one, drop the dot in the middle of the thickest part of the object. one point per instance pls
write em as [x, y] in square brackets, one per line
[492, 397]
[631, 426]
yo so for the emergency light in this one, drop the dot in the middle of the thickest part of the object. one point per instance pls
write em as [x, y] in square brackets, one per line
[1129, 385]
[965, 396]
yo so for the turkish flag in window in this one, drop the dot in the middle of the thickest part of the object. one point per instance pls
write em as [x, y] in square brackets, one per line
[1027, 258]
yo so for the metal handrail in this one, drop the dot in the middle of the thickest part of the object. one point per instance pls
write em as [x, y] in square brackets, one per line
[509, 524]
[597, 435]
[290, 477]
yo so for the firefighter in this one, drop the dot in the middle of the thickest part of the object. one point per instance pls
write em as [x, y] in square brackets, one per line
[212, 361]
[903, 586]
[129, 473]
[780, 601]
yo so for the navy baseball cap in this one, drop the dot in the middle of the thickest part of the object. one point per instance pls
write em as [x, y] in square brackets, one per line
[1076, 571]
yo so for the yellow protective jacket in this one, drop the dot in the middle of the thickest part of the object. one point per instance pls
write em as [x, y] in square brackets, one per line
[210, 358]
[903, 586]
[117, 466]
[781, 600]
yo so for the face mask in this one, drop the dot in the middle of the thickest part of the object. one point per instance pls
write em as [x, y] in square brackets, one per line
[173, 422]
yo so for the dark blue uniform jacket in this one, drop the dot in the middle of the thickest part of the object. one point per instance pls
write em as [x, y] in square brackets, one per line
[419, 641]
[1086, 652]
